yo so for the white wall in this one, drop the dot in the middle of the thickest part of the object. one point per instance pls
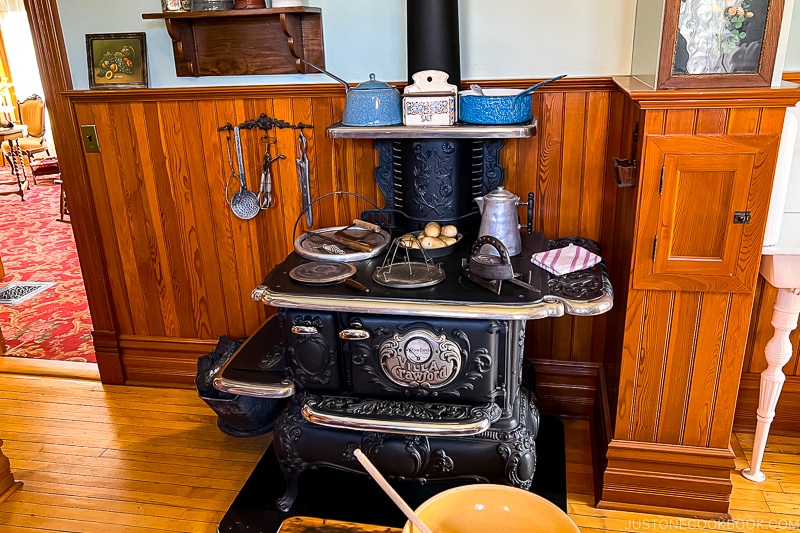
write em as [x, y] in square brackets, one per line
[499, 39]
[792, 63]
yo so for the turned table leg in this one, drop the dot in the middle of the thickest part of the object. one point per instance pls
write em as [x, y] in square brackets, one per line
[778, 351]
[7, 483]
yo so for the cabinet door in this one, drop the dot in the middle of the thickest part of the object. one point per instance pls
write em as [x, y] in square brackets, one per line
[702, 211]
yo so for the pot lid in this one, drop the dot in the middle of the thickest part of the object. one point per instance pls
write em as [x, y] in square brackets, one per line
[501, 195]
[372, 84]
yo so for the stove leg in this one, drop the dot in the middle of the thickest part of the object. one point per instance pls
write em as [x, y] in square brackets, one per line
[286, 501]
[286, 433]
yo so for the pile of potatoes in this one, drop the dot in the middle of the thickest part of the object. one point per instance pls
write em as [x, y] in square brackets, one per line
[433, 236]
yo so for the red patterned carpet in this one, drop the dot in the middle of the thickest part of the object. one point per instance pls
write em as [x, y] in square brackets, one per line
[35, 246]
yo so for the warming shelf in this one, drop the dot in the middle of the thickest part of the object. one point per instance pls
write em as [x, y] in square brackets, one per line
[459, 130]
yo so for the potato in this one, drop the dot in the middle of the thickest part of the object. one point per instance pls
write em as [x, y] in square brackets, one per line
[433, 229]
[449, 230]
[432, 242]
[448, 240]
[409, 241]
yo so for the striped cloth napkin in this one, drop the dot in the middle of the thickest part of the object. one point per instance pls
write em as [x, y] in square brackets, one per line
[565, 260]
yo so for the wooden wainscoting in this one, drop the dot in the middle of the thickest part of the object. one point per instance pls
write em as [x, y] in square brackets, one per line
[181, 266]
[681, 344]
[577, 389]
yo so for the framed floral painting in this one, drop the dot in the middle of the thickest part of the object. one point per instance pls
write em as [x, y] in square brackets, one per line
[719, 43]
[116, 60]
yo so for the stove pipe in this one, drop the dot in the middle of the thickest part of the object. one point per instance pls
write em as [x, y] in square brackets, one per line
[432, 38]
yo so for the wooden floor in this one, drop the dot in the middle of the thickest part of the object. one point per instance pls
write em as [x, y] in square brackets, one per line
[109, 459]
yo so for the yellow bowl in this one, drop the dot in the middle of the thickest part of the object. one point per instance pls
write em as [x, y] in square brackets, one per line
[481, 508]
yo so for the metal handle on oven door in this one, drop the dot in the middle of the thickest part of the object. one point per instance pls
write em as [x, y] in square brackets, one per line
[353, 334]
[304, 330]
[450, 428]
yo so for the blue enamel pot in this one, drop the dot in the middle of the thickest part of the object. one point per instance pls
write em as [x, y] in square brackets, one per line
[373, 103]
[495, 106]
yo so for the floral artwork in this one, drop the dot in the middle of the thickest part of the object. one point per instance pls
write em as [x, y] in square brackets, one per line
[720, 36]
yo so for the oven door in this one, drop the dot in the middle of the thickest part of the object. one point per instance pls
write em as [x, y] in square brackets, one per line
[257, 367]
[443, 359]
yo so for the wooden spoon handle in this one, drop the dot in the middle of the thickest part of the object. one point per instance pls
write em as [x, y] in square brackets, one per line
[369, 467]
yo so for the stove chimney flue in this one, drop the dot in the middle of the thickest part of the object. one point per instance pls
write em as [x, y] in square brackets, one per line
[432, 38]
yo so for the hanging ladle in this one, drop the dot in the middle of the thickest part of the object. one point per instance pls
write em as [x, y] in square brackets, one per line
[389, 490]
[244, 203]
[532, 88]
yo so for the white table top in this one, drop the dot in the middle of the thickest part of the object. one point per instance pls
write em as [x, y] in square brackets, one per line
[789, 239]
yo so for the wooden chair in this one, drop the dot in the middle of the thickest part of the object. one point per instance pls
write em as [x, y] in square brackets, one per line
[32, 113]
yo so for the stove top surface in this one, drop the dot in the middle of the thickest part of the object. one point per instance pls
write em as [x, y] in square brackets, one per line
[585, 292]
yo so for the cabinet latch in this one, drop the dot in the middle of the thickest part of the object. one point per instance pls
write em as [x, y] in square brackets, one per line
[741, 217]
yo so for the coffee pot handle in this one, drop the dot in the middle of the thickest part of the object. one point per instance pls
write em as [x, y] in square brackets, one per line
[529, 204]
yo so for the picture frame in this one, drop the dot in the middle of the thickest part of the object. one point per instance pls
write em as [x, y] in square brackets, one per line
[117, 60]
[711, 44]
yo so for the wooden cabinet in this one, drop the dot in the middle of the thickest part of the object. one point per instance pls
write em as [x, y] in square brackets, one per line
[700, 216]
[685, 245]
[244, 41]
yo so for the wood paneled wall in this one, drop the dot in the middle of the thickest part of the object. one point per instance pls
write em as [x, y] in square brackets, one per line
[182, 266]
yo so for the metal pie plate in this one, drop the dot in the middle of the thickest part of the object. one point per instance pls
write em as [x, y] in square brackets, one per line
[407, 275]
[320, 272]
[310, 246]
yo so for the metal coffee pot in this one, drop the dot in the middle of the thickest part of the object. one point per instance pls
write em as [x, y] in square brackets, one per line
[499, 218]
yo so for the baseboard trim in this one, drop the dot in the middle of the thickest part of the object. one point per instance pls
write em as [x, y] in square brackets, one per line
[162, 360]
[668, 479]
[576, 389]
[787, 413]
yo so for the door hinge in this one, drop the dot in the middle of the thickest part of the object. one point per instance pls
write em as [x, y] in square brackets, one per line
[661, 185]
[741, 217]
[655, 247]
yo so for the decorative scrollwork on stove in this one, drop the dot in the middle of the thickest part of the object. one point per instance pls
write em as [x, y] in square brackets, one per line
[312, 360]
[383, 172]
[441, 462]
[309, 320]
[461, 335]
[403, 410]
[433, 179]
[419, 358]
[481, 363]
[397, 456]
[273, 358]
[518, 447]
[581, 285]
[493, 172]
[587, 284]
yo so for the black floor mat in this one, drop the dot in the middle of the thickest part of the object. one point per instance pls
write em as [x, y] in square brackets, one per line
[329, 493]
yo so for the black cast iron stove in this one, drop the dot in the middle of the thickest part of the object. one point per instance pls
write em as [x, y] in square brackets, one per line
[428, 382]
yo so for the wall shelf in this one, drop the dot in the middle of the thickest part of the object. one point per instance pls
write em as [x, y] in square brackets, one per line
[458, 130]
[244, 42]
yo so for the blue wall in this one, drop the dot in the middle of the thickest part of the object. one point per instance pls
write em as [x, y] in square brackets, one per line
[499, 39]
